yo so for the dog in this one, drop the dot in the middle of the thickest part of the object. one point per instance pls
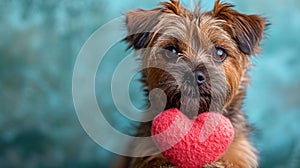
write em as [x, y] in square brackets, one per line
[187, 53]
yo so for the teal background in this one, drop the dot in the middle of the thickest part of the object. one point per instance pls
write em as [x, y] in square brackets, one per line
[39, 42]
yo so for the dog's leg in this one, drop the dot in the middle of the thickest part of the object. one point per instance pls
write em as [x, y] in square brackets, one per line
[154, 161]
[240, 154]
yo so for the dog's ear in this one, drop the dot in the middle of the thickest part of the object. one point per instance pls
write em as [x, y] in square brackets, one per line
[246, 30]
[140, 26]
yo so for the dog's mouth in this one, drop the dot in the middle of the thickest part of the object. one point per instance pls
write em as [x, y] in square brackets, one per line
[191, 101]
[187, 96]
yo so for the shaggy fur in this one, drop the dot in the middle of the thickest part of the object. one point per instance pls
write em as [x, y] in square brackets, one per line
[195, 35]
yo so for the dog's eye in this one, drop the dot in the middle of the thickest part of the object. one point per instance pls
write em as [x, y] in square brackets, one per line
[172, 49]
[219, 54]
[170, 52]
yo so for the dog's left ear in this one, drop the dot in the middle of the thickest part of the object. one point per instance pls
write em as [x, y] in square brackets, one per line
[141, 23]
[140, 26]
[246, 30]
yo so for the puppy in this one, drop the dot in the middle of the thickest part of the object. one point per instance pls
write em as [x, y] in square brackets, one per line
[203, 58]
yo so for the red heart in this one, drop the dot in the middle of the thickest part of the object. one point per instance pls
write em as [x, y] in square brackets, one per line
[192, 144]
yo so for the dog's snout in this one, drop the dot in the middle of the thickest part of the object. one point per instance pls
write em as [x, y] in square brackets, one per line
[199, 77]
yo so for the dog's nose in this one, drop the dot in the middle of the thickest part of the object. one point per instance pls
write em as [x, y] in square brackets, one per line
[199, 77]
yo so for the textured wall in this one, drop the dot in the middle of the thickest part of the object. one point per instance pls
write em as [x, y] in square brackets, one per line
[40, 40]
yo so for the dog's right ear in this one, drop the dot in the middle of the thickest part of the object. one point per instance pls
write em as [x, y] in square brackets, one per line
[246, 30]
[140, 26]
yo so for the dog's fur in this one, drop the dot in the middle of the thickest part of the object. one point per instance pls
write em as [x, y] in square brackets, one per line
[195, 35]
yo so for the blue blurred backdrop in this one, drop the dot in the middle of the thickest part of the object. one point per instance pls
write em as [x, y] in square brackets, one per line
[40, 40]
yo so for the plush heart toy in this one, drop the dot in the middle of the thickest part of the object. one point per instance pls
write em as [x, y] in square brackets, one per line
[192, 144]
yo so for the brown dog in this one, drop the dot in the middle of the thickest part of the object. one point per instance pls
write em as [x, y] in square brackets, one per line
[208, 49]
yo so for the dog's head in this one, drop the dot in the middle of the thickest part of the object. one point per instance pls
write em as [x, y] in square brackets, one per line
[199, 59]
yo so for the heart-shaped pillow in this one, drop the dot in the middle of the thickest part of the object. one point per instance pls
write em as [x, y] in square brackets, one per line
[192, 144]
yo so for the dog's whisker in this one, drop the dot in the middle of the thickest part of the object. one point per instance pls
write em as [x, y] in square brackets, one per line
[179, 58]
